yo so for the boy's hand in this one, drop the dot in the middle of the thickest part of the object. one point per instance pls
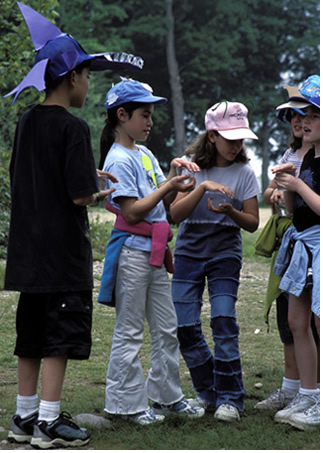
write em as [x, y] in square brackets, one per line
[104, 175]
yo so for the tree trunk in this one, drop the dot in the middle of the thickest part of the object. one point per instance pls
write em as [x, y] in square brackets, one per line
[265, 156]
[175, 83]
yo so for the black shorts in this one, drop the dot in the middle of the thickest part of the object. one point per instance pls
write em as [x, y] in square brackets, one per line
[285, 333]
[54, 324]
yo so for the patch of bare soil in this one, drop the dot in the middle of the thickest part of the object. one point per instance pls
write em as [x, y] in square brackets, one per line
[106, 216]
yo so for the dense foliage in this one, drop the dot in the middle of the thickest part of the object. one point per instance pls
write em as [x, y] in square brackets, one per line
[224, 49]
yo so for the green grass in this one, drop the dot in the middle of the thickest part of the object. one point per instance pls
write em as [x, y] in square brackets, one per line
[84, 389]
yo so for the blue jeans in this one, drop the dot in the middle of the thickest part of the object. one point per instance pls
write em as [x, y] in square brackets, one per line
[217, 378]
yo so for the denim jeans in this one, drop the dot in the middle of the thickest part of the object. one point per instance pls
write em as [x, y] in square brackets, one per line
[217, 378]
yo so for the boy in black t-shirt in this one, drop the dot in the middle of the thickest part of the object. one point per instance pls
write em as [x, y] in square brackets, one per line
[53, 179]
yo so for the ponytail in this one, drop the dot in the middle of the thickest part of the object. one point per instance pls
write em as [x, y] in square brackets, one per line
[106, 141]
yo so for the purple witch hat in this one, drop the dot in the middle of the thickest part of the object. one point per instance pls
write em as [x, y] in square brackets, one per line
[59, 53]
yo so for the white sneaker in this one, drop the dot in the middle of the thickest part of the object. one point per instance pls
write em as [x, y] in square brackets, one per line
[308, 419]
[182, 407]
[146, 417]
[201, 402]
[299, 403]
[276, 400]
[227, 413]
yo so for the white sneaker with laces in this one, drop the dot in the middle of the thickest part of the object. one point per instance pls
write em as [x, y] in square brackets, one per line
[146, 417]
[298, 404]
[308, 419]
[181, 407]
[276, 400]
[227, 413]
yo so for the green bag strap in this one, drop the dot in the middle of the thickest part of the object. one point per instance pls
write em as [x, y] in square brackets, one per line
[149, 166]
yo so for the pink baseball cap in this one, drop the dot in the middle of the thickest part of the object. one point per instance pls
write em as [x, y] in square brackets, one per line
[230, 120]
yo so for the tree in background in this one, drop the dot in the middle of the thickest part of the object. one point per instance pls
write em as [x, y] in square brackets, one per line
[221, 49]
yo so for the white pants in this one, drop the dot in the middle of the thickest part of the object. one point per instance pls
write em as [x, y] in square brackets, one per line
[142, 291]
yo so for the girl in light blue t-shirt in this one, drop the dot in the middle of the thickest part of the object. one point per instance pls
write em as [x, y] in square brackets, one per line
[208, 247]
[141, 286]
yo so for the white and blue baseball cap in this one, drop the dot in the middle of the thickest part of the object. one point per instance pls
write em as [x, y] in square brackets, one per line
[129, 90]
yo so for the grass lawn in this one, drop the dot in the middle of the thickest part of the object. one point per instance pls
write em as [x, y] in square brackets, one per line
[84, 390]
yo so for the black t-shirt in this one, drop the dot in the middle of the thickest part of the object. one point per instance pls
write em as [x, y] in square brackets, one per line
[303, 216]
[52, 163]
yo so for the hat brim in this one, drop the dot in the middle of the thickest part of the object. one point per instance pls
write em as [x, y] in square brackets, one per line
[238, 134]
[149, 99]
[293, 105]
[115, 61]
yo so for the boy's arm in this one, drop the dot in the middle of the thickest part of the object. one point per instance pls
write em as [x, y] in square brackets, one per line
[99, 196]
[94, 198]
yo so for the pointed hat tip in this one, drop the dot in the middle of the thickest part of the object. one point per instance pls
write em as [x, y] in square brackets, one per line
[41, 29]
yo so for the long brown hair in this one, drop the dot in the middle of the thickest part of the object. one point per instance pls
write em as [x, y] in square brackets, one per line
[205, 152]
[108, 133]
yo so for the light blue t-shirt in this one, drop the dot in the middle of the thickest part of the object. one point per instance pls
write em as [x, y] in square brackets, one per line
[205, 234]
[138, 172]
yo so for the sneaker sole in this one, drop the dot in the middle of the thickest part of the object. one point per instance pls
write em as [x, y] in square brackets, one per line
[19, 438]
[269, 408]
[38, 442]
[303, 427]
[226, 418]
[132, 419]
[166, 412]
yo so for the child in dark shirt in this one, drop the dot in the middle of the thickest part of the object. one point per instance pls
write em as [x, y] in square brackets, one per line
[53, 178]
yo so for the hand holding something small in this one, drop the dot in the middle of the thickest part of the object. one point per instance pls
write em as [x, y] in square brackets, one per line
[178, 183]
[224, 208]
[286, 168]
[213, 186]
[277, 197]
[183, 163]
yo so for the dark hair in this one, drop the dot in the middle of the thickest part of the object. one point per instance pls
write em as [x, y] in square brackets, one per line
[108, 133]
[295, 143]
[205, 152]
[52, 84]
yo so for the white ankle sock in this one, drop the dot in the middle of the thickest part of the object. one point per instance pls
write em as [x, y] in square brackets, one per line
[309, 392]
[49, 410]
[291, 385]
[26, 405]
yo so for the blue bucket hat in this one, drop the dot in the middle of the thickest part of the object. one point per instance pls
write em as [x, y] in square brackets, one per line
[129, 90]
[59, 53]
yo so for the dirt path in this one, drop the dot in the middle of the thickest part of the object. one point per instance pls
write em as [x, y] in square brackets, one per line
[105, 216]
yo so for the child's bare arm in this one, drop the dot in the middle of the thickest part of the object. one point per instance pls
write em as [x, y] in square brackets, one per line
[135, 210]
[248, 218]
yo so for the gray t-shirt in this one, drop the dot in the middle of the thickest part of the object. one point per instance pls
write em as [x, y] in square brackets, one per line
[205, 233]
